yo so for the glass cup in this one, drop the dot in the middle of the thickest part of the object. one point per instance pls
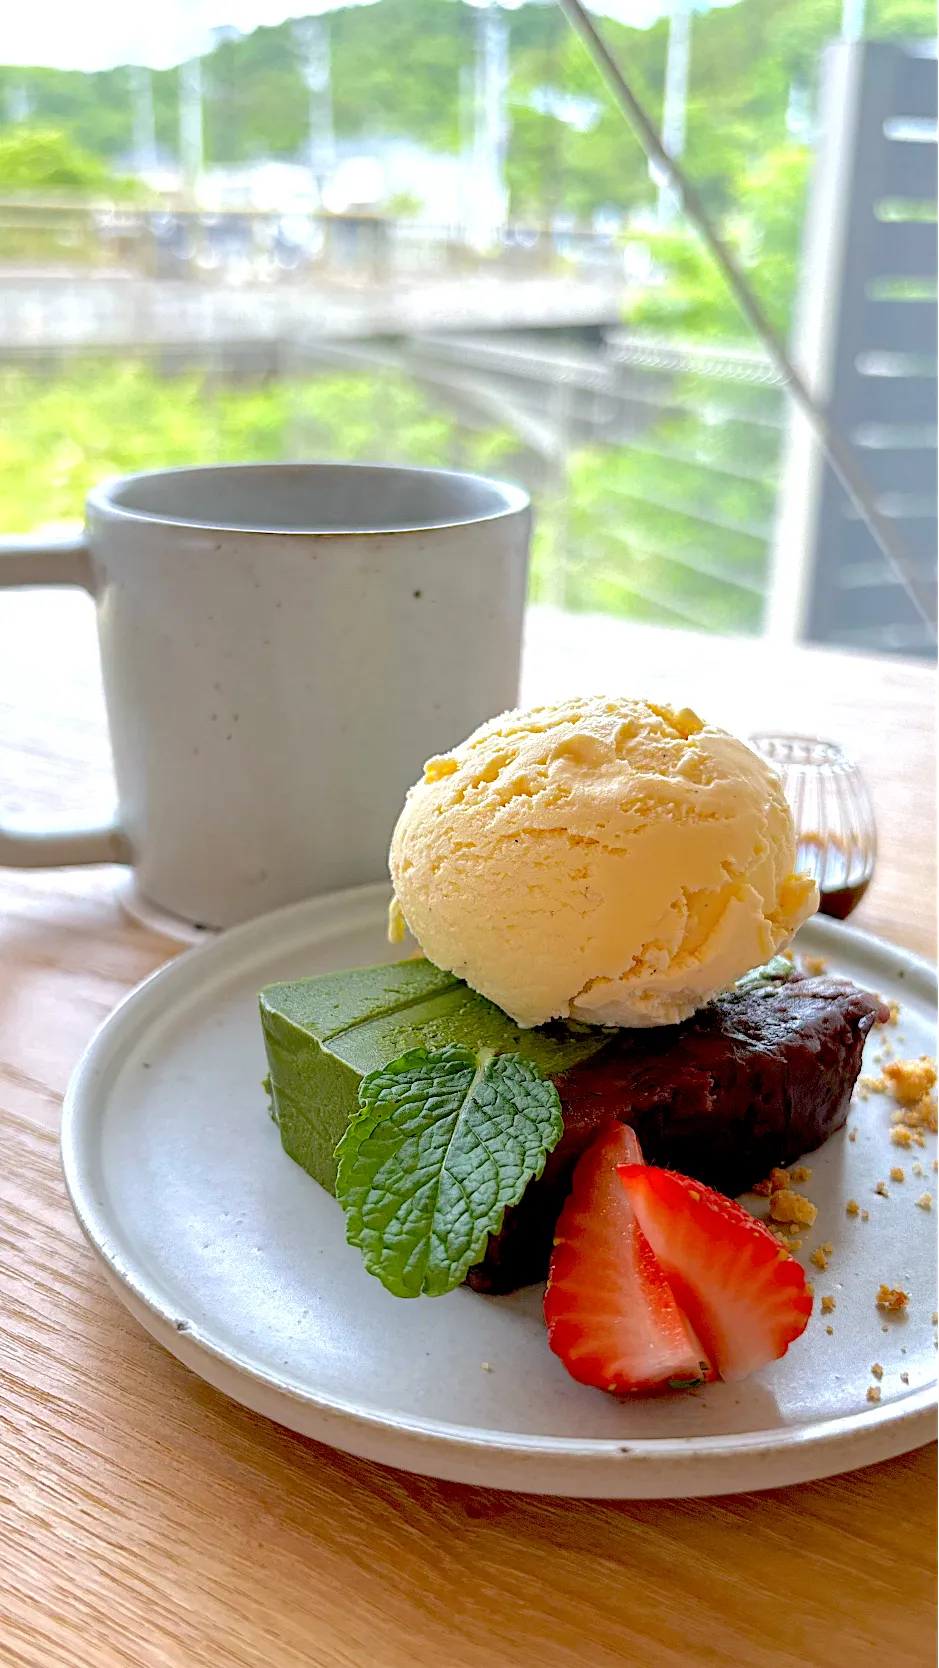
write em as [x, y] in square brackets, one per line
[836, 838]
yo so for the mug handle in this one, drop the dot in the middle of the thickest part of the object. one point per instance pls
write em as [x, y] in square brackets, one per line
[56, 562]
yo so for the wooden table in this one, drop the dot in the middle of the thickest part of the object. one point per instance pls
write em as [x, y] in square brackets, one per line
[145, 1520]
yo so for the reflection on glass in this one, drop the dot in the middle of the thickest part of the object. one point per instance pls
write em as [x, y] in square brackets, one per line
[835, 832]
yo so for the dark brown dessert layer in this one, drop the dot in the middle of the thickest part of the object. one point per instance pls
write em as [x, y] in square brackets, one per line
[756, 1079]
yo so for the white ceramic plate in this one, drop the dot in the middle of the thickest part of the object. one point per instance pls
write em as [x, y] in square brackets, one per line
[237, 1262]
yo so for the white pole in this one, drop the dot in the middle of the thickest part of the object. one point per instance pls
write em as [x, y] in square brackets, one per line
[675, 104]
[312, 36]
[191, 155]
[141, 87]
[852, 19]
[490, 124]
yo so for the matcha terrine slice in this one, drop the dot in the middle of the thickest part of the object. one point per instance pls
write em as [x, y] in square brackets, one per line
[323, 1035]
[757, 1078]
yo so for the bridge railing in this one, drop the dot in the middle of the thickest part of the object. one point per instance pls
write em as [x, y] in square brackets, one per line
[280, 247]
[655, 465]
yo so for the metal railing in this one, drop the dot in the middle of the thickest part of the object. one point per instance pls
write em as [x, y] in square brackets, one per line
[285, 246]
[659, 467]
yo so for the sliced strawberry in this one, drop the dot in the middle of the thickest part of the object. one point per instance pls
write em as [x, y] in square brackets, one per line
[610, 1314]
[744, 1295]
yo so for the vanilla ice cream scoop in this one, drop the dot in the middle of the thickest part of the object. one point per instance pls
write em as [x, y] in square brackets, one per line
[606, 860]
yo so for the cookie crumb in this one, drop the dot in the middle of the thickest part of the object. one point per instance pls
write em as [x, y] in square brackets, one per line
[893, 1014]
[852, 1134]
[875, 1085]
[910, 1080]
[830, 1330]
[892, 1299]
[904, 1378]
[925, 1201]
[918, 1170]
[852, 1208]
[881, 1188]
[828, 1305]
[786, 1206]
[814, 966]
[873, 1392]
[865, 1216]
[801, 1173]
[819, 1258]
[921, 1114]
[901, 1136]
[877, 1370]
[935, 1317]
[897, 1174]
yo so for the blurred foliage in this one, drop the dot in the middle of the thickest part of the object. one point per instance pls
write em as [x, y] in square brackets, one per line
[62, 434]
[672, 529]
[405, 68]
[762, 228]
[43, 162]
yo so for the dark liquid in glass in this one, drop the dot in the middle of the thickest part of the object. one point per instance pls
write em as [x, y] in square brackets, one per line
[842, 878]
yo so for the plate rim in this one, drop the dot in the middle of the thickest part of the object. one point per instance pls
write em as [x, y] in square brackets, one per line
[459, 1452]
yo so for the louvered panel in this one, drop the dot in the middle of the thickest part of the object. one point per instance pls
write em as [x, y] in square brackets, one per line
[909, 171]
[915, 91]
[911, 471]
[902, 249]
[899, 326]
[873, 606]
[891, 399]
[861, 575]
[874, 357]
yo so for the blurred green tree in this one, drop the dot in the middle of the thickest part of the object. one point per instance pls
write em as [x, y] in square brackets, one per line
[43, 162]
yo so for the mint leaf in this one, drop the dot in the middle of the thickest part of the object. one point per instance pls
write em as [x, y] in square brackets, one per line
[444, 1141]
[775, 972]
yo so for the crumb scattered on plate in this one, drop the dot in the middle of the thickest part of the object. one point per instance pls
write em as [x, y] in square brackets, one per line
[786, 1206]
[910, 1080]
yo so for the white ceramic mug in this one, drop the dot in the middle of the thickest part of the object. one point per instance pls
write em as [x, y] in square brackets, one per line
[282, 647]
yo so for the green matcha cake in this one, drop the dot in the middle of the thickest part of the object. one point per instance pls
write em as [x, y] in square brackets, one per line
[324, 1034]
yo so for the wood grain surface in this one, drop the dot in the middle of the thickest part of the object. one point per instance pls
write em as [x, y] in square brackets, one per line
[145, 1520]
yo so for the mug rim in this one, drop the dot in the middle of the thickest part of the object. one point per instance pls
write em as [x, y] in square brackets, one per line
[101, 499]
